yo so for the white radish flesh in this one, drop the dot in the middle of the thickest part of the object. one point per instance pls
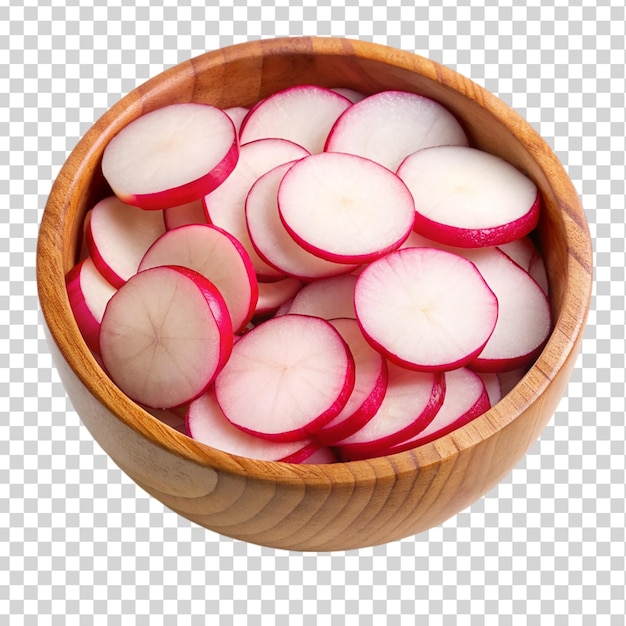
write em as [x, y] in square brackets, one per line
[88, 293]
[273, 295]
[237, 115]
[118, 236]
[369, 387]
[164, 336]
[469, 198]
[345, 208]
[327, 298]
[190, 213]
[286, 378]
[466, 398]
[425, 308]
[411, 402]
[270, 239]
[303, 114]
[225, 207]
[388, 126]
[216, 255]
[171, 156]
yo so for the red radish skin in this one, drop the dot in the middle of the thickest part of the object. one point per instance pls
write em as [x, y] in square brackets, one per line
[118, 235]
[286, 378]
[388, 126]
[411, 402]
[164, 336]
[218, 256]
[369, 387]
[225, 207]
[190, 213]
[469, 198]
[273, 295]
[466, 398]
[345, 208]
[273, 243]
[88, 293]
[303, 114]
[171, 156]
[327, 298]
[206, 422]
[425, 309]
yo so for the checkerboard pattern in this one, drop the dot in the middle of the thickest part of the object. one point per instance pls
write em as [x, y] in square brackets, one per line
[81, 544]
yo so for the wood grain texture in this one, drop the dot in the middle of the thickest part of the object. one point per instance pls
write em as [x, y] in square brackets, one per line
[346, 505]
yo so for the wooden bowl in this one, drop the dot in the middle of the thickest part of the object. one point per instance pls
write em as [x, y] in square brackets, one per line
[344, 505]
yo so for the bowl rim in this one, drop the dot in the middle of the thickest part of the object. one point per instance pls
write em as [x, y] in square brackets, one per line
[556, 352]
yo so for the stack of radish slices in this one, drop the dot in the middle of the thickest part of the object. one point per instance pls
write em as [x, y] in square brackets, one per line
[324, 276]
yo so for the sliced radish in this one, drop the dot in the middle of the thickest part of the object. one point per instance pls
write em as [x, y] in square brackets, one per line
[327, 298]
[369, 387]
[388, 126]
[215, 254]
[425, 308]
[164, 336]
[88, 293]
[524, 319]
[469, 198]
[411, 402]
[171, 156]
[286, 378]
[466, 398]
[537, 269]
[225, 206]
[352, 94]
[190, 213]
[273, 295]
[303, 114]
[237, 115]
[270, 239]
[492, 385]
[118, 236]
[207, 423]
[345, 208]
[323, 455]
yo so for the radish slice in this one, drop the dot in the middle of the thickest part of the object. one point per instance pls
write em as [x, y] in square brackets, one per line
[286, 378]
[237, 115]
[537, 269]
[352, 94]
[327, 298]
[303, 114]
[492, 385]
[118, 235]
[225, 206]
[190, 213]
[388, 126]
[207, 423]
[88, 293]
[273, 295]
[411, 402]
[369, 387]
[171, 156]
[469, 198]
[524, 319]
[165, 334]
[466, 398]
[270, 239]
[215, 254]
[321, 456]
[425, 308]
[345, 208]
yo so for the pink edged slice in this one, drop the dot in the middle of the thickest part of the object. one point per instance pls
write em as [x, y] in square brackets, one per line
[286, 378]
[411, 402]
[171, 156]
[303, 114]
[272, 241]
[118, 235]
[426, 309]
[164, 336]
[88, 293]
[218, 256]
[469, 198]
[273, 295]
[327, 298]
[466, 398]
[207, 423]
[388, 126]
[190, 213]
[369, 387]
[345, 208]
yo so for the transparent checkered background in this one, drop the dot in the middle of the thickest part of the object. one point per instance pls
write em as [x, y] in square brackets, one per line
[80, 543]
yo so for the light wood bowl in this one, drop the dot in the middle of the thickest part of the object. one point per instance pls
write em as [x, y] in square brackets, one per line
[345, 505]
